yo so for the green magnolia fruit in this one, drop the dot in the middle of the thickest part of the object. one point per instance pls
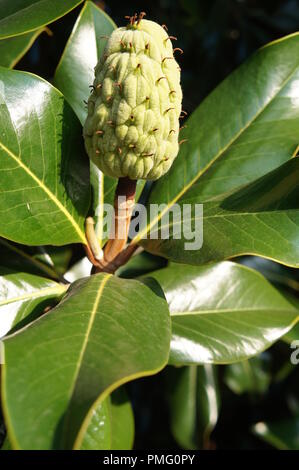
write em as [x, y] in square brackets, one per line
[132, 126]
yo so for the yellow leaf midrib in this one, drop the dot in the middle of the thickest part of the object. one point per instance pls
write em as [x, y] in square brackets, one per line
[199, 313]
[58, 289]
[47, 191]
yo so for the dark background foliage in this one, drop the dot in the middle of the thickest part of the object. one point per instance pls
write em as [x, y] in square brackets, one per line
[216, 36]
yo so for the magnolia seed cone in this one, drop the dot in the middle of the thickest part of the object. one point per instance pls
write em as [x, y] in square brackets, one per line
[132, 126]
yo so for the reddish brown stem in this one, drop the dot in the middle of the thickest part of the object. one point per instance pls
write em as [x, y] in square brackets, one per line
[121, 259]
[124, 201]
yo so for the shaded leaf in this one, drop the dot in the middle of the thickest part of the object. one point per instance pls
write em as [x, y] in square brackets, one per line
[112, 425]
[75, 71]
[13, 49]
[275, 273]
[222, 313]
[183, 405]
[251, 375]
[6, 445]
[105, 332]
[56, 256]
[208, 402]
[20, 258]
[21, 16]
[140, 264]
[194, 404]
[45, 192]
[283, 435]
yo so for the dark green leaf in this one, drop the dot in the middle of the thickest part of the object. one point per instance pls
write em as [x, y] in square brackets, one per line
[45, 191]
[56, 256]
[105, 332]
[6, 445]
[251, 375]
[283, 435]
[194, 404]
[279, 274]
[140, 264]
[112, 425]
[222, 313]
[208, 402]
[13, 49]
[75, 72]
[21, 16]
[183, 405]
[20, 258]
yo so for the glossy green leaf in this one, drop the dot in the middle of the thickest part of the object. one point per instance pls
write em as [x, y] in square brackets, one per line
[44, 196]
[222, 313]
[21, 16]
[251, 375]
[13, 49]
[105, 332]
[112, 425]
[283, 435]
[246, 128]
[260, 218]
[23, 297]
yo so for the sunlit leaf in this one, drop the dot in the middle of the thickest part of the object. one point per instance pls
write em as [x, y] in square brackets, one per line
[44, 195]
[222, 313]
[105, 332]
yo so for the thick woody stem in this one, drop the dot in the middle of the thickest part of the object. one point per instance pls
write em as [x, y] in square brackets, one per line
[124, 201]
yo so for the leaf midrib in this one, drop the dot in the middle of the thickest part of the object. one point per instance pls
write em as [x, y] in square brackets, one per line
[231, 310]
[88, 330]
[47, 191]
[138, 237]
[59, 289]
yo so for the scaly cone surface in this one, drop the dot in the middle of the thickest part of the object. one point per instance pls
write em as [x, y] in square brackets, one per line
[132, 126]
